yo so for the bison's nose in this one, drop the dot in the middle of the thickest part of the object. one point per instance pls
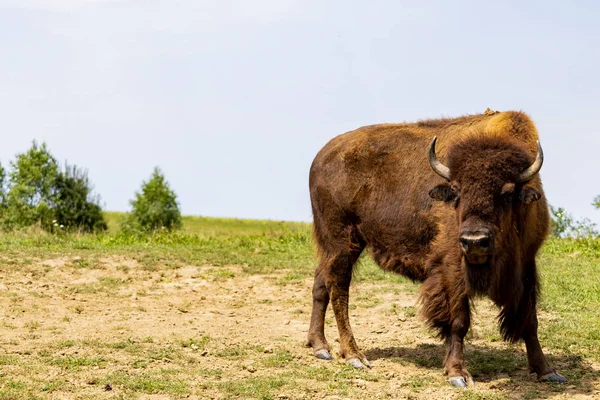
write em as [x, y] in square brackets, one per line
[477, 243]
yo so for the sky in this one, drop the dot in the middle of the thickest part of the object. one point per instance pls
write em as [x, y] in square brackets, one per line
[232, 99]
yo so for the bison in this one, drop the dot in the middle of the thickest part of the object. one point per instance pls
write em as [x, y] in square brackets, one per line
[466, 220]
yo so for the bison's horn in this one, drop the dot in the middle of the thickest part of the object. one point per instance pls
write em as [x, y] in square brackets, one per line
[436, 164]
[534, 168]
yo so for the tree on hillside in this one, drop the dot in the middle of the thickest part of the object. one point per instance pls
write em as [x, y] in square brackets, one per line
[38, 192]
[30, 188]
[2, 190]
[74, 205]
[564, 224]
[155, 206]
[596, 202]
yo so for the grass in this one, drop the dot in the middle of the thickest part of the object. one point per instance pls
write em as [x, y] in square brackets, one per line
[261, 388]
[162, 381]
[571, 294]
[71, 363]
[196, 362]
[258, 246]
[570, 269]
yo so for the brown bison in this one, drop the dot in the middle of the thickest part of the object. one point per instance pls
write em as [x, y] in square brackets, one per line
[468, 225]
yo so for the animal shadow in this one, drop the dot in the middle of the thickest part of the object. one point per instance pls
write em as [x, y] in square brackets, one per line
[487, 364]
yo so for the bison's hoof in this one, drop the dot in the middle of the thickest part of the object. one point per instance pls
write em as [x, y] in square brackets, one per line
[553, 377]
[461, 382]
[323, 354]
[358, 364]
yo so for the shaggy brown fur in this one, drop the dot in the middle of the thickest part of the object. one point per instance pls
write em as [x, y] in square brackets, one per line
[373, 188]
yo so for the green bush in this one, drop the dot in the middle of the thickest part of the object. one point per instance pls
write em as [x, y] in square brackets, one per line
[30, 188]
[2, 189]
[74, 206]
[38, 193]
[155, 207]
[564, 225]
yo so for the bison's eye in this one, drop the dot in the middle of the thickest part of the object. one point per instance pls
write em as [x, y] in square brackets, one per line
[507, 198]
[507, 194]
[444, 192]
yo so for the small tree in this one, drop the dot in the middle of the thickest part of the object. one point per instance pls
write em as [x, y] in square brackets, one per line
[2, 188]
[560, 221]
[564, 225]
[155, 206]
[37, 192]
[74, 206]
[596, 202]
[2, 194]
[31, 187]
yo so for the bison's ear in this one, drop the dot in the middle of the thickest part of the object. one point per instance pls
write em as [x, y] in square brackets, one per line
[529, 195]
[443, 192]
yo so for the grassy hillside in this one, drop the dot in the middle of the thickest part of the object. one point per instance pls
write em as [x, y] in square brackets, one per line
[570, 269]
[262, 270]
[219, 226]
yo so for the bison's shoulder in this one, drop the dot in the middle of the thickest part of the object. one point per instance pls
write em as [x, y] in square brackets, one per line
[516, 124]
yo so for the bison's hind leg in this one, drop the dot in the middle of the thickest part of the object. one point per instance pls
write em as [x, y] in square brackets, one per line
[316, 332]
[339, 245]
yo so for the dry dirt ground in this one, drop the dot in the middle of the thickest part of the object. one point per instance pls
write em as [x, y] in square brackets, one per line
[108, 328]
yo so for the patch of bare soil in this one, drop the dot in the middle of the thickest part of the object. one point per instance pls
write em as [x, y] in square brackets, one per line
[111, 328]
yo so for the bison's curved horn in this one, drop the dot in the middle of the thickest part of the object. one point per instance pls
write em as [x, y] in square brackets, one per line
[534, 168]
[436, 164]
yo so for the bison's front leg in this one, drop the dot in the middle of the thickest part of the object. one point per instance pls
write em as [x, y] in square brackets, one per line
[454, 363]
[535, 355]
[446, 308]
[519, 320]
[526, 314]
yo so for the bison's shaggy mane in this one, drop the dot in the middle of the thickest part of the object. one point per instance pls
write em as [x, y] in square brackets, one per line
[506, 156]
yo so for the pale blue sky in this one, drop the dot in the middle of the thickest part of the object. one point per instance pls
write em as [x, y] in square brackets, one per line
[233, 99]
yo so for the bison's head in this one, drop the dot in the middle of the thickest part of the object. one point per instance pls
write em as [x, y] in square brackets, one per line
[488, 183]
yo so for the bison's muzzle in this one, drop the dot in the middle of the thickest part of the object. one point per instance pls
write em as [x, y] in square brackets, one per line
[477, 245]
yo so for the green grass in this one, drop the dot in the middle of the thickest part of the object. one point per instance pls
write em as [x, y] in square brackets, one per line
[163, 381]
[569, 321]
[279, 359]
[473, 394]
[218, 226]
[70, 363]
[258, 246]
[238, 352]
[570, 269]
[260, 387]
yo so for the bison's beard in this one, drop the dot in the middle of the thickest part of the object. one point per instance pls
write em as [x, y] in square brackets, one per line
[477, 276]
[477, 259]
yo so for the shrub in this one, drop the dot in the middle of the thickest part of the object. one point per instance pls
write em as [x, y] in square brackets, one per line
[74, 206]
[564, 225]
[30, 188]
[2, 189]
[39, 193]
[155, 207]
